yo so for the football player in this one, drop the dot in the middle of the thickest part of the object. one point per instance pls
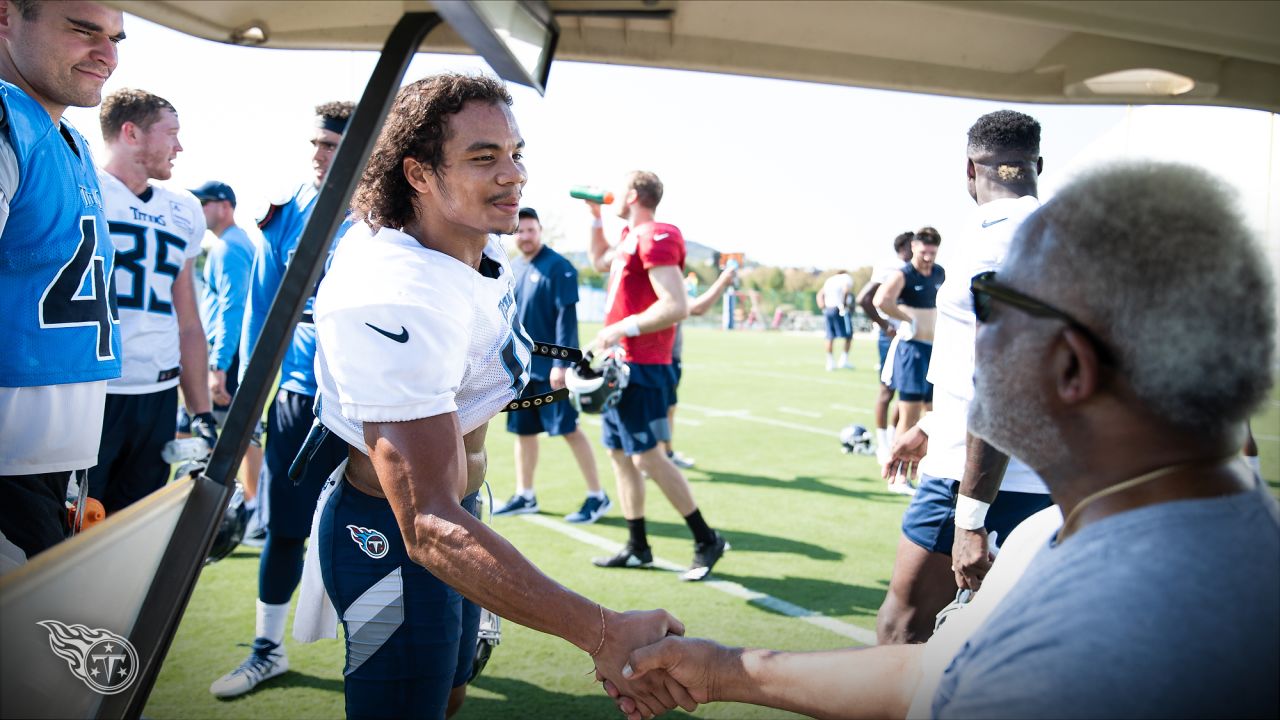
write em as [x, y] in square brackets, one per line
[418, 347]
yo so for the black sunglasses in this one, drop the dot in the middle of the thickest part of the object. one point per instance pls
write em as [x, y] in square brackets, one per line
[985, 288]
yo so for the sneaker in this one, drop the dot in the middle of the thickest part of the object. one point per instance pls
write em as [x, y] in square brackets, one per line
[705, 556]
[627, 557]
[902, 488]
[592, 509]
[265, 662]
[257, 538]
[680, 461]
[831, 364]
[517, 505]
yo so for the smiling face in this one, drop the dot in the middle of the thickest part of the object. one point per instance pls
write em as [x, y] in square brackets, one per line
[478, 185]
[923, 256]
[63, 55]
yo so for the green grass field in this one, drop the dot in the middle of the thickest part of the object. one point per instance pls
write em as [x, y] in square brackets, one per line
[809, 526]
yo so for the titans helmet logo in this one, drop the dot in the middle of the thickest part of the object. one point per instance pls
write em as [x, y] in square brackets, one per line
[103, 660]
[371, 542]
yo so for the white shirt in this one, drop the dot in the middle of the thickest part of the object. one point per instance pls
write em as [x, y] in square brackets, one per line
[404, 332]
[835, 289]
[154, 239]
[991, 230]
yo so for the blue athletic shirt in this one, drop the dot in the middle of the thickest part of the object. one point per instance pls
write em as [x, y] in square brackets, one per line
[227, 273]
[921, 291]
[547, 304]
[59, 321]
[281, 229]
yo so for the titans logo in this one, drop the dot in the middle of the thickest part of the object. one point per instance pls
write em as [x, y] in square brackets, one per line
[371, 542]
[103, 660]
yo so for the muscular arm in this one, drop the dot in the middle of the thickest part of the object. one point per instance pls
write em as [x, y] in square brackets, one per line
[984, 468]
[192, 347]
[701, 304]
[598, 252]
[866, 301]
[671, 307]
[886, 297]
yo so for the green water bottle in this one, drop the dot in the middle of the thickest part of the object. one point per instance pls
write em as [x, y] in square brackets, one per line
[594, 194]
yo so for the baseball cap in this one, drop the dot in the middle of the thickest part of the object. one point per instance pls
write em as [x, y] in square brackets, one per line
[528, 212]
[214, 190]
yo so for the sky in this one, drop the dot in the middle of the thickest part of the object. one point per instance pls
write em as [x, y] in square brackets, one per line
[792, 174]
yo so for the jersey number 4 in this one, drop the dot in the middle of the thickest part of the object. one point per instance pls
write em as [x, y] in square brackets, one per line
[63, 305]
[138, 295]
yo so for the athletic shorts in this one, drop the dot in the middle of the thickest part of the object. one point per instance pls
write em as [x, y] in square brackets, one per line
[836, 327]
[134, 431]
[884, 343]
[33, 511]
[639, 421]
[410, 638]
[557, 418]
[910, 367]
[672, 398]
[286, 508]
[930, 520]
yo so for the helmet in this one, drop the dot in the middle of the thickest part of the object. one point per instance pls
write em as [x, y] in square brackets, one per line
[856, 439]
[596, 390]
[231, 531]
[487, 639]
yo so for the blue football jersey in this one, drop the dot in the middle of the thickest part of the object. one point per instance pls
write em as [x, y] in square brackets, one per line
[281, 229]
[59, 322]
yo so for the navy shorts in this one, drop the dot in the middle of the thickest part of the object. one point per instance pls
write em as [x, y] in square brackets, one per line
[836, 327]
[930, 520]
[410, 638]
[134, 431]
[557, 418]
[287, 509]
[33, 511]
[672, 398]
[910, 367]
[884, 343]
[639, 421]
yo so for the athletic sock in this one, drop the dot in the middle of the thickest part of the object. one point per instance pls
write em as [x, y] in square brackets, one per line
[639, 539]
[882, 438]
[598, 494]
[702, 532]
[844, 358]
[892, 432]
[270, 622]
[527, 494]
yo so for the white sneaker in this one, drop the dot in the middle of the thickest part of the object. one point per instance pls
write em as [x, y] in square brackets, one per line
[680, 461]
[266, 661]
[831, 364]
[902, 488]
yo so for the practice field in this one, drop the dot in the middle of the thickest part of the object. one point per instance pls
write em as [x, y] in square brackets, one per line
[813, 534]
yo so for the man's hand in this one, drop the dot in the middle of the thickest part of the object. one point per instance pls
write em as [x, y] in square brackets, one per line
[218, 387]
[908, 449]
[654, 693]
[888, 330]
[970, 557]
[594, 207]
[608, 336]
[693, 662]
[205, 427]
[556, 378]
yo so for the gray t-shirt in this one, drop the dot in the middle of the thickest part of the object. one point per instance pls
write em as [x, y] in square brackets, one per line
[1168, 611]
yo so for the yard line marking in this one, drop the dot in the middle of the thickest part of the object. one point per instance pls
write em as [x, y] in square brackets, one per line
[1266, 437]
[688, 421]
[850, 408]
[792, 377]
[746, 415]
[804, 413]
[591, 420]
[853, 632]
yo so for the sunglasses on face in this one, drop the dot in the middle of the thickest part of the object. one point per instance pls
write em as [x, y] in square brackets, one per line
[986, 289]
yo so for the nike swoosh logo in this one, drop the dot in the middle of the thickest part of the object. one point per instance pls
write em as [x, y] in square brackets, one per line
[402, 337]
[989, 223]
[661, 236]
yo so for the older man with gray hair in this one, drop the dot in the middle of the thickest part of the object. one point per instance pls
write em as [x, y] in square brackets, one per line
[1159, 594]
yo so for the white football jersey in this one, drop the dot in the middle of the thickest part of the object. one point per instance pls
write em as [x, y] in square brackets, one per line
[154, 236]
[405, 332]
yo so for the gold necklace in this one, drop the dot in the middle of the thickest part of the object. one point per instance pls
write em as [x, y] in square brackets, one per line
[1121, 487]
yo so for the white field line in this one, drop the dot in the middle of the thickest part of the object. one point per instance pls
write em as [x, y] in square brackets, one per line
[689, 421]
[802, 413]
[850, 408]
[1271, 438]
[747, 416]
[853, 632]
[792, 376]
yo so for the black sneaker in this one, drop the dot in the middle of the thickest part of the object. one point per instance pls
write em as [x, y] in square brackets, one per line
[627, 557]
[705, 556]
[518, 505]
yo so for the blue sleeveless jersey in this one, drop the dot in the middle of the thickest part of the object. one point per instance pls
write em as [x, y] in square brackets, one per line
[281, 230]
[921, 291]
[59, 321]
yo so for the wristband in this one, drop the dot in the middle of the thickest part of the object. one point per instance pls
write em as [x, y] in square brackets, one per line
[630, 326]
[597, 223]
[971, 514]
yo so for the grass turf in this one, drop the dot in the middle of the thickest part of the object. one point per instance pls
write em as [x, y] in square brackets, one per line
[808, 525]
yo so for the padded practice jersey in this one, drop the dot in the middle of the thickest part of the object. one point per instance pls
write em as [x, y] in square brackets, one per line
[405, 333]
[154, 234]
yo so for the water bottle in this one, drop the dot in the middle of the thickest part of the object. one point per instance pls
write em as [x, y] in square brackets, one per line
[594, 194]
[185, 450]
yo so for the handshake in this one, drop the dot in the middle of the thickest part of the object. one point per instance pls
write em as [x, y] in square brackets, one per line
[648, 668]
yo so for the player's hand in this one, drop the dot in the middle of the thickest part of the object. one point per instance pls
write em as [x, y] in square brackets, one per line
[205, 427]
[695, 663]
[888, 331]
[908, 449]
[556, 378]
[218, 387]
[654, 693]
[970, 558]
[594, 207]
[608, 336]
